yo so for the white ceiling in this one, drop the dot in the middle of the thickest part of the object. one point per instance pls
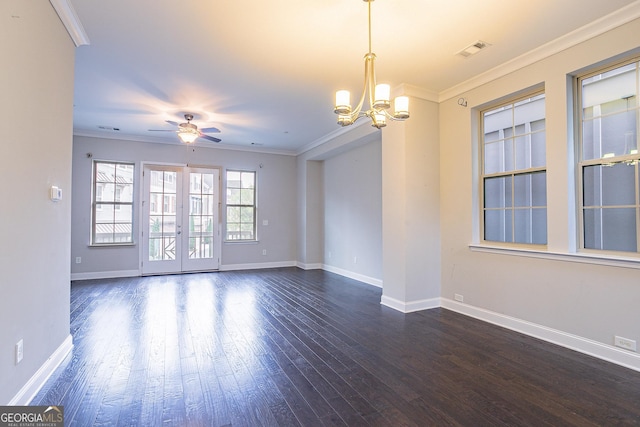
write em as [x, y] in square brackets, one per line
[265, 72]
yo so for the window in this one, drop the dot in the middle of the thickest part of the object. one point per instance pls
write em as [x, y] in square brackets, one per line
[112, 218]
[608, 159]
[514, 175]
[241, 205]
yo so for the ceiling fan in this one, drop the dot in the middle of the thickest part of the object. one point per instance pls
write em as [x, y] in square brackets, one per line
[188, 132]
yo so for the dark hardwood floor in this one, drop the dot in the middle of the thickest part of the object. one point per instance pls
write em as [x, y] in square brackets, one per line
[288, 347]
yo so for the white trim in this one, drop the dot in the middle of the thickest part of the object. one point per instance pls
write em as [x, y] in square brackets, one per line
[108, 135]
[105, 274]
[355, 276]
[313, 266]
[257, 265]
[602, 351]
[593, 29]
[409, 307]
[583, 257]
[71, 22]
[417, 92]
[35, 383]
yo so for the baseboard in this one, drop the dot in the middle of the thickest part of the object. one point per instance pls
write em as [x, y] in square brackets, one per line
[408, 307]
[312, 266]
[35, 383]
[597, 349]
[355, 276]
[105, 274]
[257, 265]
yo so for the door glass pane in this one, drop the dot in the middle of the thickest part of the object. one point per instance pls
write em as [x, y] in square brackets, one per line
[201, 190]
[162, 215]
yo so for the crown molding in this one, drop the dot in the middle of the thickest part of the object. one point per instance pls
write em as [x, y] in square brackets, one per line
[71, 22]
[417, 92]
[219, 146]
[600, 26]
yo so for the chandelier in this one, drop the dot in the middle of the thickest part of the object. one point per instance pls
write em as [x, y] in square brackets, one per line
[378, 96]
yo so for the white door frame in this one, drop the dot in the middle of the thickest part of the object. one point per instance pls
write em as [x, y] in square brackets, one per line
[181, 263]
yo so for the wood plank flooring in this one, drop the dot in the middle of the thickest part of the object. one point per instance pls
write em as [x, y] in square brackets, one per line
[288, 347]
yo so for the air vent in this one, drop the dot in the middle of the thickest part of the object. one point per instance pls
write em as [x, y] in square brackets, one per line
[472, 49]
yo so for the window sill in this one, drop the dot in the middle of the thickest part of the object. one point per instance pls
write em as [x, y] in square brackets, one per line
[241, 242]
[110, 245]
[607, 259]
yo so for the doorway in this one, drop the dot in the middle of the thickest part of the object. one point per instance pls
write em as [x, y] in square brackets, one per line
[180, 226]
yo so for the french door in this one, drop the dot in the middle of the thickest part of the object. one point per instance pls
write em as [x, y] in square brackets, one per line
[180, 225]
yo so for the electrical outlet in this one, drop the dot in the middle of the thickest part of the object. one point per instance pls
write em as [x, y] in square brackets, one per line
[458, 297]
[355, 259]
[625, 343]
[78, 259]
[19, 351]
[264, 252]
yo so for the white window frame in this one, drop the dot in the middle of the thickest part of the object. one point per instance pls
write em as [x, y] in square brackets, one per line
[510, 173]
[606, 160]
[97, 205]
[228, 205]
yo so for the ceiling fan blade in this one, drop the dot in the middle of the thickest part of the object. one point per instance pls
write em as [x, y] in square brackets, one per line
[210, 138]
[171, 122]
[210, 130]
[161, 130]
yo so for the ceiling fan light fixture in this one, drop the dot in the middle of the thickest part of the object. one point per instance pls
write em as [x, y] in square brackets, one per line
[187, 134]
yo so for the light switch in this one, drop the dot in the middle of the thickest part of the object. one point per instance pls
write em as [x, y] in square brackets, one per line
[56, 193]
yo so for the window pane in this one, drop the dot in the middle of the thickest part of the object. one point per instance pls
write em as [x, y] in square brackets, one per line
[248, 179]
[530, 189]
[497, 192]
[233, 196]
[233, 214]
[539, 189]
[531, 226]
[538, 149]
[246, 197]
[539, 226]
[523, 225]
[609, 185]
[246, 215]
[610, 229]
[497, 225]
[233, 179]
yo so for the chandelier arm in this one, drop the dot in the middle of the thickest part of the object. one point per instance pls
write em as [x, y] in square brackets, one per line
[355, 114]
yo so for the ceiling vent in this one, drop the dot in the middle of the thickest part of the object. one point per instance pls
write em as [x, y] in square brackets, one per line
[473, 49]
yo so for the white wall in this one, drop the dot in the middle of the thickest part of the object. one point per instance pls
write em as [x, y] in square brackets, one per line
[582, 303]
[36, 83]
[276, 193]
[352, 194]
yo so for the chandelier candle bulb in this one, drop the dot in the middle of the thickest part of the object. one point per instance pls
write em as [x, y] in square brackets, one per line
[343, 102]
[401, 106]
[382, 97]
